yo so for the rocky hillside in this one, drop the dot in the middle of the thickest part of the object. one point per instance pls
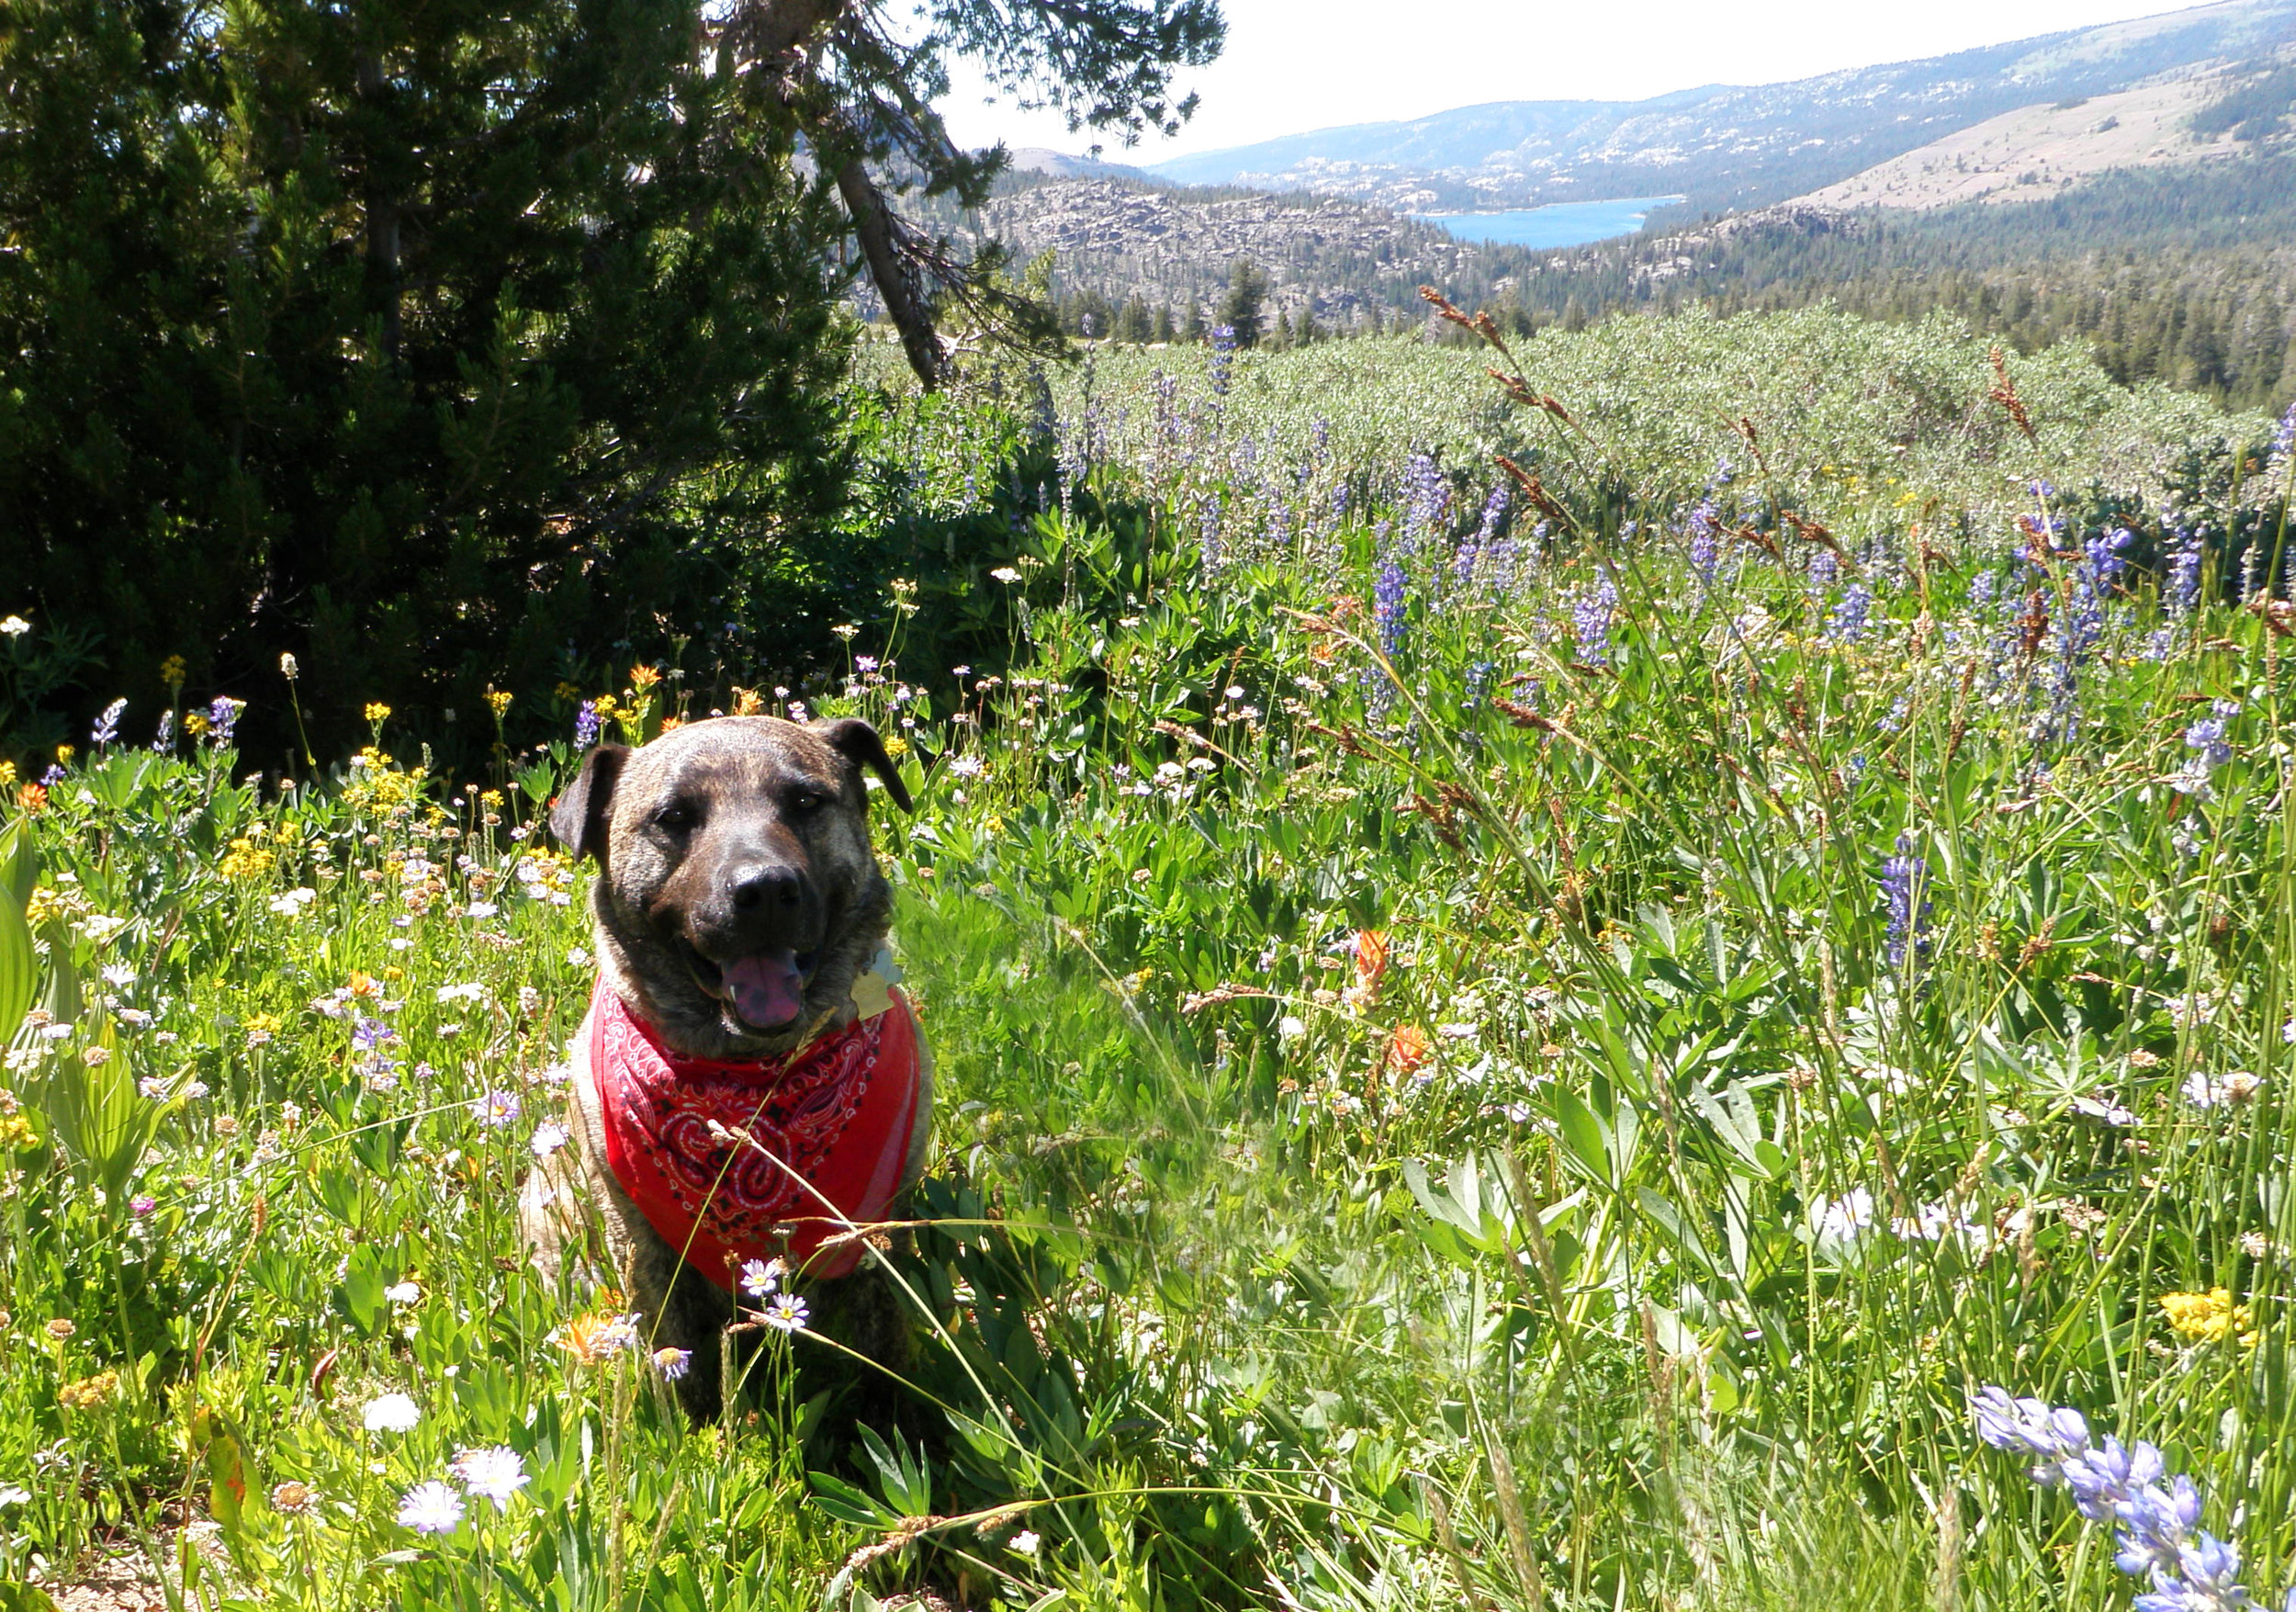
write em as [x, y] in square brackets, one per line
[1171, 247]
[1732, 147]
[2036, 153]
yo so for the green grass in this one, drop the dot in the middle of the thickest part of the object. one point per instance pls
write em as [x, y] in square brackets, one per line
[1631, 1238]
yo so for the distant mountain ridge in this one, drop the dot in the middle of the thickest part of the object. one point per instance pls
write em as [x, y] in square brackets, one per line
[1734, 146]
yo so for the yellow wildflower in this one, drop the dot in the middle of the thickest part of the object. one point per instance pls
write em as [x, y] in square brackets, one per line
[497, 701]
[48, 902]
[16, 1134]
[88, 1393]
[490, 799]
[7, 774]
[566, 691]
[263, 1024]
[377, 712]
[63, 755]
[2209, 1317]
[245, 859]
[195, 722]
[605, 707]
[896, 747]
[173, 671]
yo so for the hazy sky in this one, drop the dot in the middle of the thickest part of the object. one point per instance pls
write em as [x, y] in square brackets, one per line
[1293, 65]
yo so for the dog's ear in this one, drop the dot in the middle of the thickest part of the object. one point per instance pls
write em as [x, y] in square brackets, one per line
[858, 743]
[578, 819]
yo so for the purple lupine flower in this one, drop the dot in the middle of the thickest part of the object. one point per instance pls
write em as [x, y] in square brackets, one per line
[1591, 619]
[2211, 750]
[1982, 589]
[2284, 439]
[2104, 553]
[1222, 358]
[1499, 566]
[1847, 624]
[1823, 570]
[1426, 498]
[1478, 680]
[585, 724]
[1210, 541]
[166, 740]
[2159, 1537]
[1485, 537]
[1387, 595]
[2103, 1479]
[1905, 894]
[106, 729]
[2184, 575]
[2156, 1522]
[222, 716]
[53, 776]
[1705, 539]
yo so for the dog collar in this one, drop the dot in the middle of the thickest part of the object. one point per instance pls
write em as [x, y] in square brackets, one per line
[734, 1161]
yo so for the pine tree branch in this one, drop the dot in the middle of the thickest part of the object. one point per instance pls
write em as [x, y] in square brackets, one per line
[766, 31]
[879, 233]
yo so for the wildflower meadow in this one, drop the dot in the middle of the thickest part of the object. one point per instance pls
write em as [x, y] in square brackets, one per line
[1637, 969]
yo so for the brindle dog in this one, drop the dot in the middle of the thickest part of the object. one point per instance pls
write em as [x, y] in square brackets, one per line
[738, 899]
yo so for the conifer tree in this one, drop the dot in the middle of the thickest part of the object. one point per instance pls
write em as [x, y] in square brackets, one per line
[1241, 309]
[422, 342]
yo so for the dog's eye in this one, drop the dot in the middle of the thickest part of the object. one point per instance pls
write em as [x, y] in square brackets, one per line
[675, 818]
[806, 801]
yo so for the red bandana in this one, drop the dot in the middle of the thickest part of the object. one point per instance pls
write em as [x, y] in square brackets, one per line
[838, 1112]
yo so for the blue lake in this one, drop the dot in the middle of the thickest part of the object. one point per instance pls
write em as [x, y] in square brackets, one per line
[1563, 223]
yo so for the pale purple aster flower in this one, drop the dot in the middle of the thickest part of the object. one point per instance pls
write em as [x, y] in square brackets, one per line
[430, 1509]
[496, 1109]
[786, 1313]
[495, 1473]
[673, 1364]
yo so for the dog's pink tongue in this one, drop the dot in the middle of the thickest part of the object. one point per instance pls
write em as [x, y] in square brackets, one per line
[766, 989]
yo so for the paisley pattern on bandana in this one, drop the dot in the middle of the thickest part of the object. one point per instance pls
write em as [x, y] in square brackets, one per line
[830, 1120]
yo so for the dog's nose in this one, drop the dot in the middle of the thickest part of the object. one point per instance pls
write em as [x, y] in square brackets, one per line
[756, 887]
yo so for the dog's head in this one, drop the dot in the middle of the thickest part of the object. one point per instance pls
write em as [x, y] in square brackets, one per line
[737, 896]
